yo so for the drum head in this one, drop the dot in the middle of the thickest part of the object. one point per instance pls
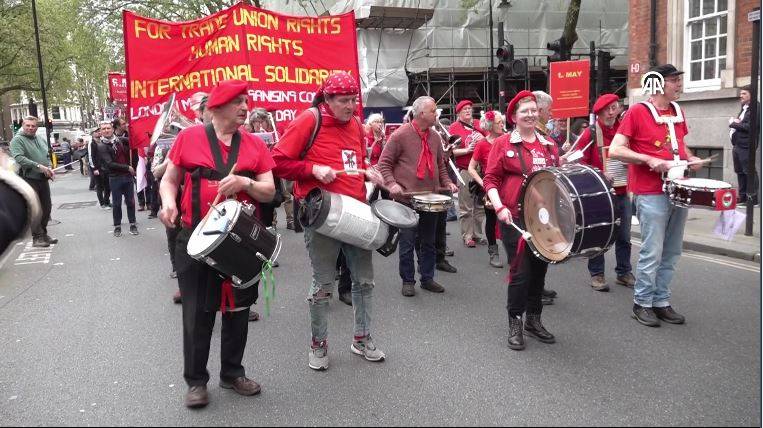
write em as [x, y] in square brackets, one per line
[432, 197]
[220, 220]
[395, 214]
[549, 215]
[703, 183]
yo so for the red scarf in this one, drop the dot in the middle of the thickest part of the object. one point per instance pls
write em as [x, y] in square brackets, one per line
[607, 132]
[425, 164]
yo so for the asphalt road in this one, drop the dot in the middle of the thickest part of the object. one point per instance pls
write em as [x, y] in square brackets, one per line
[90, 337]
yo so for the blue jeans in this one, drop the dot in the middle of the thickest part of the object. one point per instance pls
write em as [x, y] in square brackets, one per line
[323, 252]
[622, 242]
[420, 239]
[122, 185]
[662, 232]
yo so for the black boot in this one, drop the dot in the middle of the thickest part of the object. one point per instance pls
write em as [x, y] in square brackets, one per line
[516, 338]
[534, 327]
[495, 256]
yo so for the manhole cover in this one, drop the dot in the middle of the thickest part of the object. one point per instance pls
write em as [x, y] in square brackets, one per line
[76, 205]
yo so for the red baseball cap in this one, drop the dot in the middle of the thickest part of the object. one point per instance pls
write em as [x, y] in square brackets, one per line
[225, 91]
[603, 101]
[462, 104]
[514, 101]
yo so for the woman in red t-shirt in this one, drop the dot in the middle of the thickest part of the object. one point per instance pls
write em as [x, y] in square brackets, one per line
[512, 157]
[491, 122]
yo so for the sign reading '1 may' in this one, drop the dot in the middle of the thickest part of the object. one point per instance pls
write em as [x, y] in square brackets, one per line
[569, 86]
[284, 59]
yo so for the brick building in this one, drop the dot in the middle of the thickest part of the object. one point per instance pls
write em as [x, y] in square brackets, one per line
[711, 41]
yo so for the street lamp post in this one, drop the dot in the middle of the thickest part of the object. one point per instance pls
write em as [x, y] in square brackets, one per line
[42, 78]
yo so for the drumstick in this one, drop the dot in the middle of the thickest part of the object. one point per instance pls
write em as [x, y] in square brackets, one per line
[525, 234]
[706, 160]
[217, 198]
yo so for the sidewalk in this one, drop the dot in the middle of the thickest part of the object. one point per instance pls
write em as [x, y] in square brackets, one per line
[698, 235]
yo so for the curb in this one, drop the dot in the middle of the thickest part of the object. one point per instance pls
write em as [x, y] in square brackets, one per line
[753, 256]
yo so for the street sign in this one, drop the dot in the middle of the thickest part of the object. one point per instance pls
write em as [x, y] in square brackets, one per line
[753, 16]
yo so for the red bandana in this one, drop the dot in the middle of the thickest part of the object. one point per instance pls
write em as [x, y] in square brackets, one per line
[341, 83]
[426, 164]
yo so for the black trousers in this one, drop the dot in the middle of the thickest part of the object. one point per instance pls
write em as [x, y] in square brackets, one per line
[172, 235]
[266, 214]
[490, 220]
[103, 188]
[527, 280]
[440, 238]
[193, 279]
[741, 158]
[42, 188]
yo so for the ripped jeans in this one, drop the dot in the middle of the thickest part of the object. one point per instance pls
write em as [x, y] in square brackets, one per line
[323, 252]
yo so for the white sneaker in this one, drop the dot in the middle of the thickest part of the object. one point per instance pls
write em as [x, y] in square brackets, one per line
[319, 357]
[367, 349]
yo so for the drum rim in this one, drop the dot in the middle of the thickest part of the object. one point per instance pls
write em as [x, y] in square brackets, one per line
[221, 237]
[387, 221]
[554, 172]
[685, 183]
[442, 199]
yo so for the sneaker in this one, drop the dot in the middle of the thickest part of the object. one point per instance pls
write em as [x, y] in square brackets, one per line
[117, 231]
[627, 280]
[432, 286]
[408, 289]
[645, 316]
[470, 243]
[133, 229]
[598, 283]
[367, 349]
[668, 315]
[319, 357]
[449, 252]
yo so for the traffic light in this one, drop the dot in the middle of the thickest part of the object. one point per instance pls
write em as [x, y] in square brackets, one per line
[561, 50]
[603, 72]
[507, 65]
[16, 126]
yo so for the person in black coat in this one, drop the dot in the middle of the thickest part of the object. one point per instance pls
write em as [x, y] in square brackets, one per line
[741, 138]
[20, 209]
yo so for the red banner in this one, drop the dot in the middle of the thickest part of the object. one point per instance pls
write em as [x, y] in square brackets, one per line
[284, 59]
[569, 86]
[118, 88]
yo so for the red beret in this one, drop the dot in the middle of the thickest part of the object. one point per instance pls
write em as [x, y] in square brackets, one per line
[462, 104]
[340, 83]
[604, 101]
[513, 104]
[225, 91]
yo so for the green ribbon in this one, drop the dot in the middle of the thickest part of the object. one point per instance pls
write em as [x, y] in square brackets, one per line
[268, 285]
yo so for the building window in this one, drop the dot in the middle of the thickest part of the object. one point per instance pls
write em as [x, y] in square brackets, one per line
[55, 112]
[706, 40]
[713, 170]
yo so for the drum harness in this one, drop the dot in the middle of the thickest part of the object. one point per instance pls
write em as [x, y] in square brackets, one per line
[218, 173]
[670, 121]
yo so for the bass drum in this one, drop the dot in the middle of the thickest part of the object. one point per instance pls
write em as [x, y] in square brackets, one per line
[569, 211]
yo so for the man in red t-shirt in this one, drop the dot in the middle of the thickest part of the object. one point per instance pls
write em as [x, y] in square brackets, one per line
[471, 214]
[650, 149]
[338, 146]
[607, 109]
[200, 285]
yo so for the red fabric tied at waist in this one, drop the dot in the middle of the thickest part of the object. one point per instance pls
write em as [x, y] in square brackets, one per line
[227, 296]
[517, 262]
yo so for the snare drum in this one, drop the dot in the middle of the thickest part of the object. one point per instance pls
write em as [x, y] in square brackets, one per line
[431, 202]
[569, 211]
[233, 241]
[702, 193]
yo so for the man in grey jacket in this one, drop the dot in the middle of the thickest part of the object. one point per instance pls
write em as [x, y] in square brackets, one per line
[33, 155]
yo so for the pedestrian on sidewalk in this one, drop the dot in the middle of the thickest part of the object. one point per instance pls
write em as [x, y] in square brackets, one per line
[115, 159]
[210, 152]
[33, 156]
[102, 188]
[607, 109]
[740, 140]
[650, 138]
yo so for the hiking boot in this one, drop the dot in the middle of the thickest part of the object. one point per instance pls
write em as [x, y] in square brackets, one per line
[367, 349]
[117, 231]
[319, 356]
[446, 267]
[627, 280]
[432, 286]
[408, 289]
[495, 256]
[534, 327]
[598, 283]
[49, 240]
[39, 242]
[196, 397]
[645, 316]
[133, 229]
[668, 315]
[516, 339]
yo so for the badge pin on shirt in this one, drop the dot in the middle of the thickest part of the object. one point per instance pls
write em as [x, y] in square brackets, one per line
[510, 153]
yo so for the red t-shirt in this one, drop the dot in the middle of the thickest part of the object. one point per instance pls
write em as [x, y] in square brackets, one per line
[458, 128]
[481, 152]
[504, 170]
[592, 156]
[645, 136]
[191, 150]
[338, 145]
